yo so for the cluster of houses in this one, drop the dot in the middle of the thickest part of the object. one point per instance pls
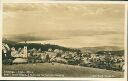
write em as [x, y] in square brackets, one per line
[23, 55]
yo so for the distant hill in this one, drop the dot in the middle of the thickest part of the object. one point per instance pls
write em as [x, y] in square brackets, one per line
[47, 46]
[4, 40]
[100, 48]
[117, 53]
[43, 47]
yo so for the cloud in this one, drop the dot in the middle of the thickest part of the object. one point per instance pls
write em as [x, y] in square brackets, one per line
[58, 35]
[64, 23]
[26, 37]
[43, 7]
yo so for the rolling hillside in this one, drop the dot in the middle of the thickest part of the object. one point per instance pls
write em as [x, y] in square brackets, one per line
[62, 70]
[101, 48]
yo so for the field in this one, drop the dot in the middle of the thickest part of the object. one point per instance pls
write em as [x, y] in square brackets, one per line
[57, 70]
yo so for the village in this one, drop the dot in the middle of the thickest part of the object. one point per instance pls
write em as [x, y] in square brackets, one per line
[102, 60]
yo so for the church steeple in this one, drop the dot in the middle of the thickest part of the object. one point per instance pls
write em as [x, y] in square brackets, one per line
[25, 49]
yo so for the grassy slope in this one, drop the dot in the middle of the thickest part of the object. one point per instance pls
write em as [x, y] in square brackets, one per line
[66, 70]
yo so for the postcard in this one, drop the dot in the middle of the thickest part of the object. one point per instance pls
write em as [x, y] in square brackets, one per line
[63, 40]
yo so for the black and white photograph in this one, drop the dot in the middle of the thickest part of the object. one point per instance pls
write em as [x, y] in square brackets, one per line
[63, 40]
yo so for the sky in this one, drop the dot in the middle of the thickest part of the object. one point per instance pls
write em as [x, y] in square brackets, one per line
[66, 24]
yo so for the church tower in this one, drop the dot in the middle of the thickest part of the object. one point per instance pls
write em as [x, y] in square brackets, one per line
[25, 50]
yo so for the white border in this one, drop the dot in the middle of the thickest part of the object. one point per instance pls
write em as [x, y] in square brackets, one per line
[53, 78]
[125, 38]
[1, 9]
[85, 2]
